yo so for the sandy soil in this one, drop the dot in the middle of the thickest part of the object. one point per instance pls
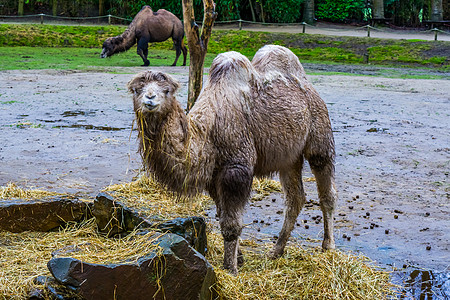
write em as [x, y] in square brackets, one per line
[72, 132]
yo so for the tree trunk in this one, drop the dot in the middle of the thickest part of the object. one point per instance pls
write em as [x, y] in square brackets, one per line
[252, 10]
[263, 18]
[378, 9]
[100, 7]
[20, 10]
[198, 44]
[436, 10]
[55, 7]
[308, 12]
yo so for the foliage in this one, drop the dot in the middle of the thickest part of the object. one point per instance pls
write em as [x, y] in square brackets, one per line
[286, 11]
[340, 10]
[406, 12]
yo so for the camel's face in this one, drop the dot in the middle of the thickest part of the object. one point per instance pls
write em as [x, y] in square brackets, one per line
[153, 96]
[108, 48]
[153, 92]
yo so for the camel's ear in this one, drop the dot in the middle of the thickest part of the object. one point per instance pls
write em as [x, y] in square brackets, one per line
[136, 84]
[173, 84]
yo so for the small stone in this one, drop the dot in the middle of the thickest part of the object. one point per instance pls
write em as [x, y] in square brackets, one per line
[386, 231]
[395, 216]
[427, 214]
[350, 207]
[255, 221]
[306, 226]
[349, 238]
[367, 213]
[274, 200]
[344, 236]
[428, 248]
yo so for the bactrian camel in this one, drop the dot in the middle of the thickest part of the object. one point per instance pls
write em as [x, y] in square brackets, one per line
[148, 27]
[252, 119]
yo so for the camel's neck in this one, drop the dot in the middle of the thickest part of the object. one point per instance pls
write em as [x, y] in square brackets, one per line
[173, 150]
[127, 40]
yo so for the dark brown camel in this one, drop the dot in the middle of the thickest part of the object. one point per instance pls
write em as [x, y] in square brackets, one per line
[148, 27]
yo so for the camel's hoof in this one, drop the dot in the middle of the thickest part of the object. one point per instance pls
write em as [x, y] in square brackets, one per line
[146, 64]
[232, 270]
[328, 245]
[240, 260]
[275, 253]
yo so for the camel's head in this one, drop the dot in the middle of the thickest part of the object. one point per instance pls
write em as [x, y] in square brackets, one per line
[153, 92]
[110, 46]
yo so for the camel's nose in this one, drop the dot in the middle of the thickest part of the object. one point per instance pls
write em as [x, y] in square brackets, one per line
[149, 101]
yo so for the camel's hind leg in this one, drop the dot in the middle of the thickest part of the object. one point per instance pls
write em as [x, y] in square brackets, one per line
[291, 181]
[323, 170]
[178, 47]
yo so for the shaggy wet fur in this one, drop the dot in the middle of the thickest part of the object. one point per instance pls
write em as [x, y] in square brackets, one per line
[148, 27]
[252, 119]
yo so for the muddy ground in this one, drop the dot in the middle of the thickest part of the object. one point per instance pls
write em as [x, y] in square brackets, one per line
[72, 132]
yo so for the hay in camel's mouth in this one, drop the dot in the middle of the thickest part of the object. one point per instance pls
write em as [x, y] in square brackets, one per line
[301, 273]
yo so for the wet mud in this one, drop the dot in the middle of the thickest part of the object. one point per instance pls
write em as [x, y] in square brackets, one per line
[72, 132]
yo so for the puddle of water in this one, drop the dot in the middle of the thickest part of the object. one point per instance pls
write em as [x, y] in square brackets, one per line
[74, 113]
[422, 284]
[90, 127]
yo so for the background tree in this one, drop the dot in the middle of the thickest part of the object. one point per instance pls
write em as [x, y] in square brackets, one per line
[308, 12]
[378, 9]
[436, 10]
[20, 8]
[54, 7]
[197, 39]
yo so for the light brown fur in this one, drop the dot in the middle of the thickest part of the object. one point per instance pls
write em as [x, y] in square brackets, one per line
[148, 27]
[251, 119]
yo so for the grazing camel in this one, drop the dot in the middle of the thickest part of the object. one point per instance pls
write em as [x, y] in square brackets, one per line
[148, 27]
[250, 120]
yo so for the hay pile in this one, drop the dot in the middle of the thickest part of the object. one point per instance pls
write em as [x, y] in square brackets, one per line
[11, 190]
[23, 256]
[299, 274]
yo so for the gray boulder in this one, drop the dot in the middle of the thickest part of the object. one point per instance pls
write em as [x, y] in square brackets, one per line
[114, 218]
[178, 272]
[41, 215]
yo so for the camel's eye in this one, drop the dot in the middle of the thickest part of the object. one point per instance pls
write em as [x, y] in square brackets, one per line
[166, 91]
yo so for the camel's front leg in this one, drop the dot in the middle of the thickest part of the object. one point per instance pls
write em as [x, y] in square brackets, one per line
[142, 50]
[233, 190]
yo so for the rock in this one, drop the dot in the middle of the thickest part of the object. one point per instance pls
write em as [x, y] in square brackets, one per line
[114, 218]
[178, 272]
[41, 215]
[51, 290]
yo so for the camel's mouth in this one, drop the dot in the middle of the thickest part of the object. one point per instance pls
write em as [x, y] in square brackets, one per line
[150, 107]
[104, 54]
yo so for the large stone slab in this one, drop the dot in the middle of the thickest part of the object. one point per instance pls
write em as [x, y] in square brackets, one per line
[115, 218]
[176, 272]
[41, 215]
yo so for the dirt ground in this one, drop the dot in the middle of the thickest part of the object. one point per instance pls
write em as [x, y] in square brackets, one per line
[72, 132]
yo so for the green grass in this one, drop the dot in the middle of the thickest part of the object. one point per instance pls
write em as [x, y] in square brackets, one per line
[78, 47]
[23, 58]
